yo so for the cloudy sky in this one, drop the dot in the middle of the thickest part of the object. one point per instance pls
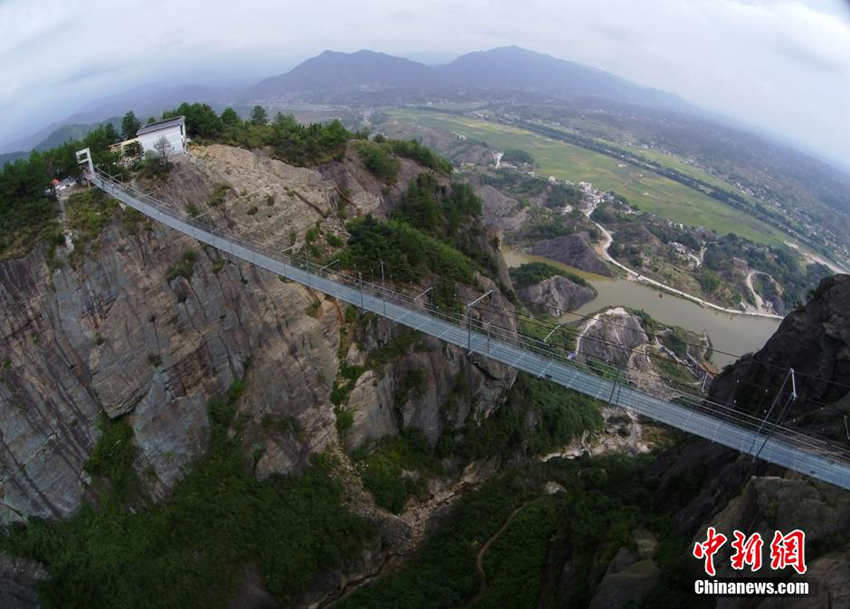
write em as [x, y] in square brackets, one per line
[780, 65]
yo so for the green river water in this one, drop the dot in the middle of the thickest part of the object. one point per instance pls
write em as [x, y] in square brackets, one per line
[729, 333]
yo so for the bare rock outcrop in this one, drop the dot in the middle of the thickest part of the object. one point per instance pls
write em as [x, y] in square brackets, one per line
[149, 325]
[382, 402]
[359, 188]
[500, 212]
[249, 193]
[557, 295]
[611, 337]
[116, 336]
[814, 340]
[574, 250]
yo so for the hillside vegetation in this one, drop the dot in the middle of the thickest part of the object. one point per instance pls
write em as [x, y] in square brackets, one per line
[547, 550]
[27, 202]
[126, 551]
[645, 189]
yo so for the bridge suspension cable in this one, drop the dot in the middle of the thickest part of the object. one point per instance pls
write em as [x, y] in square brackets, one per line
[720, 423]
[612, 322]
[596, 364]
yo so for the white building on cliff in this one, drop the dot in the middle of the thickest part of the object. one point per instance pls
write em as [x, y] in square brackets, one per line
[172, 129]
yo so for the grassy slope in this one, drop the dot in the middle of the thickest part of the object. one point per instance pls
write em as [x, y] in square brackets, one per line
[645, 189]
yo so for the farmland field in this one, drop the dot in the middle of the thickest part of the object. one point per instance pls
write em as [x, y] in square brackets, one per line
[644, 189]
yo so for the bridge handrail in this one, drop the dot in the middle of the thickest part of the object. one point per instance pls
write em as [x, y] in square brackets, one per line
[481, 330]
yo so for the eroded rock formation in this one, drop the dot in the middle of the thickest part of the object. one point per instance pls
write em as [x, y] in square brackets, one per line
[139, 328]
[574, 250]
[557, 295]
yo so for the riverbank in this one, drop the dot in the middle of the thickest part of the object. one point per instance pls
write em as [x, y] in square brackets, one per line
[731, 333]
[632, 275]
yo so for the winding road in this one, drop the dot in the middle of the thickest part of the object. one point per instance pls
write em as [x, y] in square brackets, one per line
[603, 248]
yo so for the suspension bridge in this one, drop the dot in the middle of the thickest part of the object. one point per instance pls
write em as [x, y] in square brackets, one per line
[719, 423]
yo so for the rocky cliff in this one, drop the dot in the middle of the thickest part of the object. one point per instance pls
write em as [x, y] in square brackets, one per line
[574, 250]
[713, 486]
[136, 323]
[611, 336]
[501, 211]
[148, 325]
[557, 295]
[813, 340]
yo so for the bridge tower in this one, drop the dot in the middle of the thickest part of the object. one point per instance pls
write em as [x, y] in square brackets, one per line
[84, 158]
[792, 397]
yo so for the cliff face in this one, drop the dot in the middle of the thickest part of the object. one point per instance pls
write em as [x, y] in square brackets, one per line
[557, 295]
[574, 250]
[815, 342]
[116, 337]
[713, 486]
[149, 325]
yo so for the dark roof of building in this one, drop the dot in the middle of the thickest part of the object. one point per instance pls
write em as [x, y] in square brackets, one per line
[163, 124]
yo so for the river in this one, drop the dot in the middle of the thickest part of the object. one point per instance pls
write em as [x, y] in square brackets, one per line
[729, 333]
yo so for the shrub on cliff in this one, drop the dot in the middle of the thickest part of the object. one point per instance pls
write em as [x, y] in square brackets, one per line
[379, 160]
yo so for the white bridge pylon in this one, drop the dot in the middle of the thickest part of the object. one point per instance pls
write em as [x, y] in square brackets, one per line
[84, 158]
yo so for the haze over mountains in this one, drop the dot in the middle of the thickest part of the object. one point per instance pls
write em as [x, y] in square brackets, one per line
[370, 79]
[503, 69]
[145, 100]
[334, 70]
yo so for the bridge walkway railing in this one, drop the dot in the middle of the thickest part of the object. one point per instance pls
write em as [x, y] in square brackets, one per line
[719, 423]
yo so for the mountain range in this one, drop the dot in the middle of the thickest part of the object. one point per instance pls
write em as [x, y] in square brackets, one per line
[346, 75]
[502, 69]
[333, 70]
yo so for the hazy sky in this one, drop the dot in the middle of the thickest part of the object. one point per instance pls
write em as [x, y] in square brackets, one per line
[781, 65]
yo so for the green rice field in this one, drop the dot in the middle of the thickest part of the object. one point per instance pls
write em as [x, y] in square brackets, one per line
[644, 189]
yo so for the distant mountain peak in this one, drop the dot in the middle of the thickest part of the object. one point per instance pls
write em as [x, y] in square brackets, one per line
[335, 70]
[511, 48]
[512, 51]
[507, 68]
